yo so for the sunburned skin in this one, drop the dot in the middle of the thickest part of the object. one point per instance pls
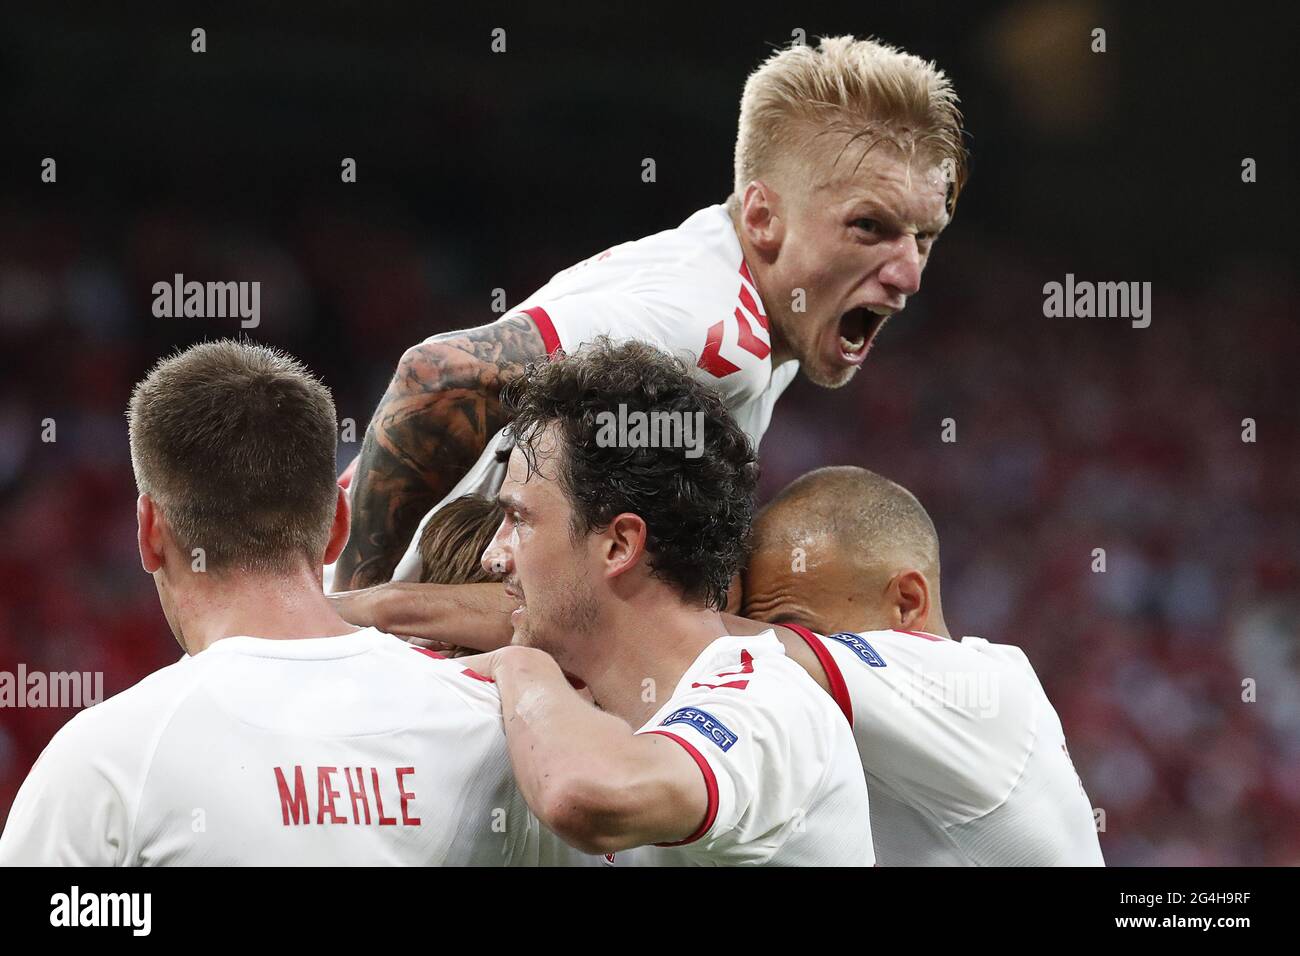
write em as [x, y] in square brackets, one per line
[851, 251]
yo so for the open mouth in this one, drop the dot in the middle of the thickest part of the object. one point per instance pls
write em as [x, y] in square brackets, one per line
[858, 328]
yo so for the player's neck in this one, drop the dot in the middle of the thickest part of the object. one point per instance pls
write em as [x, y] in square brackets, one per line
[935, 624]
[651, 648]
[286, 606]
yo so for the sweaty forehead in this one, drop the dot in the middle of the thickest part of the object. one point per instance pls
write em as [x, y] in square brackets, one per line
[914, 189]
[806, 573]
[777, 537]
[796, 552]
[525, 479]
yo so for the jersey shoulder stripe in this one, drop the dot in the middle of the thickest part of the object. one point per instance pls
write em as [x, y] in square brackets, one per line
[834, 676]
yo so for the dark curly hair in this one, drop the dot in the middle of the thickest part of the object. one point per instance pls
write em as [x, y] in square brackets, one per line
[698, 510]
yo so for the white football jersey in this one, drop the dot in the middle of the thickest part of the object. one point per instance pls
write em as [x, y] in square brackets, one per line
[358, 749]
[784, 781]
[687, 290]
[964, 755]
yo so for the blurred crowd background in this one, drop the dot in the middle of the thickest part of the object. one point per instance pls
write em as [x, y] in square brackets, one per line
[479, 171]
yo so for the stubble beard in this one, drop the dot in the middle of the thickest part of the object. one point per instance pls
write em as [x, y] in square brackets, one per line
[564, 626]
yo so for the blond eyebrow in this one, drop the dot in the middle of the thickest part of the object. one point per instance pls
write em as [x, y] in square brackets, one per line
[884, 210]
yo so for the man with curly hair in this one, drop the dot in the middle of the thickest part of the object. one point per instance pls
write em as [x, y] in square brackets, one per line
[617, 549]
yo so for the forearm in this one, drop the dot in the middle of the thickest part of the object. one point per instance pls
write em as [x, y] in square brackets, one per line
[582, 771]
[549, 728]
[469, 615]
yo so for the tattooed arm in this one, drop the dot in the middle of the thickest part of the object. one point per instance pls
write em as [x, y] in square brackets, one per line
[430, 427]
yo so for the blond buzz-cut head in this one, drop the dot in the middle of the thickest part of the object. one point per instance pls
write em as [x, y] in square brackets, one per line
[855, 92]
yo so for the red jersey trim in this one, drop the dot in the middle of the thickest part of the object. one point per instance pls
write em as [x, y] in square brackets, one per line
[928, 637]
[839, 687]
[442, 657]
[546, 327]
[710, 783]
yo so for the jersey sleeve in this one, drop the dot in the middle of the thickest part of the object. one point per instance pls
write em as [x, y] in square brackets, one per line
[68, 811]
[764, 747]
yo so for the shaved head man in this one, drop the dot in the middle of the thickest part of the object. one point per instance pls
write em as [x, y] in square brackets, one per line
[964, 755]
[844, 548]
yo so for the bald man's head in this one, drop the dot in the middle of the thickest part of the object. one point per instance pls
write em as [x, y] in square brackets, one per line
[845, 549]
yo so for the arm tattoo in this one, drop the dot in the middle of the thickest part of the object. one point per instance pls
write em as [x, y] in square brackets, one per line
[432, 424]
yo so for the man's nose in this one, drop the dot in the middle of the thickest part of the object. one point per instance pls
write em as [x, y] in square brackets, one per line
[901, 274]
[497, 558]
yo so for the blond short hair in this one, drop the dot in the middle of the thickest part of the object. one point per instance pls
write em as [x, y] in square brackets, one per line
[866, 90]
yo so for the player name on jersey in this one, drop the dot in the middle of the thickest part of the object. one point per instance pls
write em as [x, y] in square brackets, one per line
[296, 809]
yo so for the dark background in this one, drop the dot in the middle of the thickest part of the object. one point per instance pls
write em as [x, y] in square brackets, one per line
[479, 170]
